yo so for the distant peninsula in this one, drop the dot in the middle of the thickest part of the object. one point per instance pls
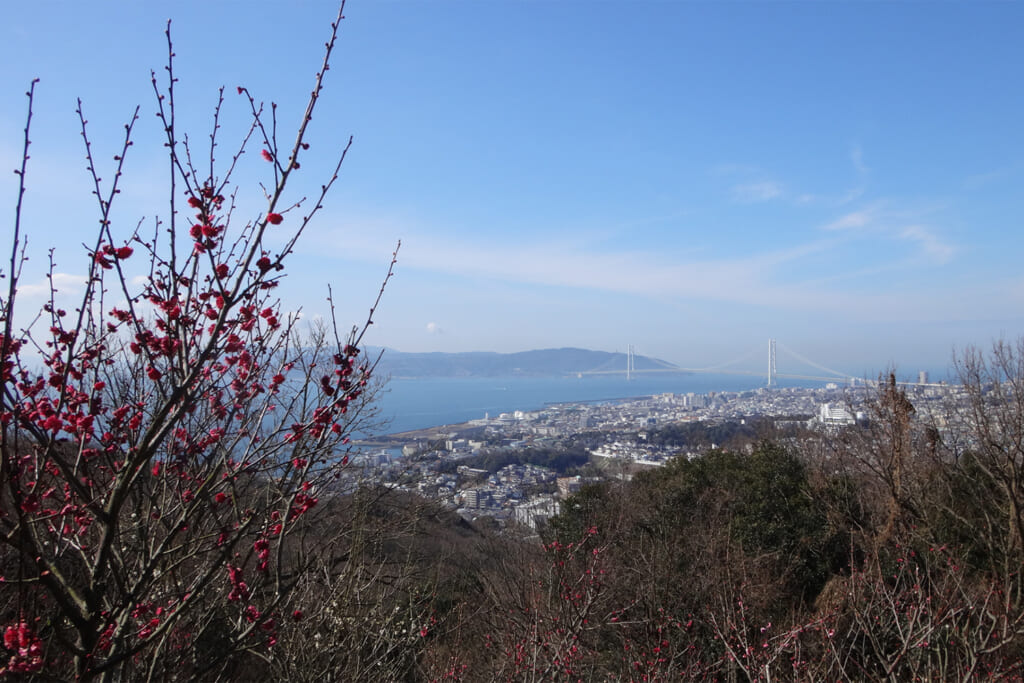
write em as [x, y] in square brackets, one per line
[538, 363]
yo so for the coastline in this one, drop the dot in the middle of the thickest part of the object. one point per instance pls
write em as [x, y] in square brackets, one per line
[434, 433]
[432, 409]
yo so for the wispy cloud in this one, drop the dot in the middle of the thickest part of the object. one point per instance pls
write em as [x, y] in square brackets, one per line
[857, 159]
[835, 198]
[750, 185]
[750, 193]
[931, 246]
[67, 291]
[853, 220]
[758, 278]
[65, 284]
[978, 180]
[835, 267]
[879, 220]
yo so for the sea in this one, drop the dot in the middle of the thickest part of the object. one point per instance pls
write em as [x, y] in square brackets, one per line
[410, 404]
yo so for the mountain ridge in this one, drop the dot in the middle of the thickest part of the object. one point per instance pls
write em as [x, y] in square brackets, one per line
[533, 363]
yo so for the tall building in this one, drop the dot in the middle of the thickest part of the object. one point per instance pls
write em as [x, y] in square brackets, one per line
[834, 415]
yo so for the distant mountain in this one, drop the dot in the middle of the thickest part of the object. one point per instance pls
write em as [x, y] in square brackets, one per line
[545, 362]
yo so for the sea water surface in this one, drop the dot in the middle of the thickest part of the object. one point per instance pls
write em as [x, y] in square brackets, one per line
[410, 404]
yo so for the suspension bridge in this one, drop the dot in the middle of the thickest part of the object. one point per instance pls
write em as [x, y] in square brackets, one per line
[771, 373]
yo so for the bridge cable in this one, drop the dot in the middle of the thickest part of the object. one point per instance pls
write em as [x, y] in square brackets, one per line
[725, 365]
[811, 362]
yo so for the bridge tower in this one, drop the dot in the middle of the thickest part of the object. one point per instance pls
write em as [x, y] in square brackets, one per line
[773, 380]
[630, 362]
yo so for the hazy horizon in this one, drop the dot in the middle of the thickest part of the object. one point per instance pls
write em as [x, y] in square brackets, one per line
[787, 364]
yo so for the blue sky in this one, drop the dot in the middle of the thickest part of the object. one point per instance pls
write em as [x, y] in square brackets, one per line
[689, 178]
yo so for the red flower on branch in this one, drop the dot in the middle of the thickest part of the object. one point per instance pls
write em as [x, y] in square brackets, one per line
[98, 447]
[26, 649]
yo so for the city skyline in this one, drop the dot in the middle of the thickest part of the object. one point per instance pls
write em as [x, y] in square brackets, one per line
[690, 178]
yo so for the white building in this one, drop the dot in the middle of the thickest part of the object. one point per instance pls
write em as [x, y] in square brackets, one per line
[835, 415]
[536, 511]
